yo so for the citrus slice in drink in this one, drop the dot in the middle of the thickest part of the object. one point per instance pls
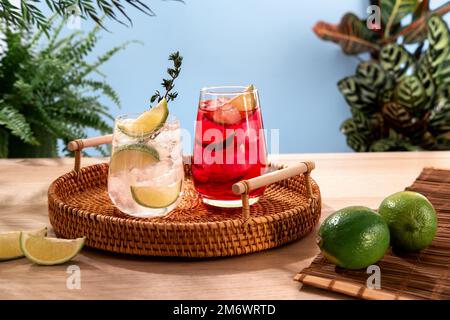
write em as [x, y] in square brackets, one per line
[148, 122]
[50, 251]
[10, 243]
[133, 156]
[156, 197]
[245, 101]
[227, 114]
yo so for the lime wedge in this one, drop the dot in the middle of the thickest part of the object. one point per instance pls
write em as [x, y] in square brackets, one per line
[148, 122]
[10, 243]
[245, 101]
[49, 251]
[156, 197]
[133, 156]
[219, 145]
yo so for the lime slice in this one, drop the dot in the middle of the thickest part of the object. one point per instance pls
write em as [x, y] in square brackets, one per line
[156, 197]
[49, 251]
[133, 156]
[219, 145]
[10, 243]
[245, 101]
[148, 122]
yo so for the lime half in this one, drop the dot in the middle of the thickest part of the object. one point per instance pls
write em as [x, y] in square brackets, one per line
[133, 156]
[49, 251]
[10, 243]
[156, 197]
[245, 101]
[148, 122]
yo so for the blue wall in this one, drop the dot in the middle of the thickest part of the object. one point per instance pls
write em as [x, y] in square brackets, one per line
[265, 42]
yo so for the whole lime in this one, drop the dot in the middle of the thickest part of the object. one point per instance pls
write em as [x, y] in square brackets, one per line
[354, 237]
[411, 219]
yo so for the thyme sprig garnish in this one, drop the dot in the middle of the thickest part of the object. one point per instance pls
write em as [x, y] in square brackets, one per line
[169, 84]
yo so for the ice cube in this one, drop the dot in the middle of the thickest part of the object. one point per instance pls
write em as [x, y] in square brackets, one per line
[176, 152]
[120, 192]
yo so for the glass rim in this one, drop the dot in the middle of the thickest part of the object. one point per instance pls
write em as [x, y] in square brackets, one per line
[215, 90]
[133, 115]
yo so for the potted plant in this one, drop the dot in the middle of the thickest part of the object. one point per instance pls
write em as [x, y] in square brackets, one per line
[399, 100]
[47, 92]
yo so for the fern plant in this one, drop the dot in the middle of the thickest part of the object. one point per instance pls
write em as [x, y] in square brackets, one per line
[47, 92]
[400, 102]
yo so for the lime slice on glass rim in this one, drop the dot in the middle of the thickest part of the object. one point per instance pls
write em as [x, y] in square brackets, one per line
[156, 197]
[148, 122]
[49, 251]
[10, 243]
[133, 156]
[244, 101]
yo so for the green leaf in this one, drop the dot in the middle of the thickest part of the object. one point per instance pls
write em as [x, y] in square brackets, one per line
[351, 34]
[104, 58]
[410, 93]
[357, 95]
[361, 121]
[14, 121]
[393, 11]
[357, 141]
[423, 72]
[396, 60]
[4, 143]
[348, 126]
[396, 10]
[104, 87]
[371, 74]
[437, 57]
[439, 41]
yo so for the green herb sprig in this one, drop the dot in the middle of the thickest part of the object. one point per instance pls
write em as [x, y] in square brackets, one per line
[169, 84]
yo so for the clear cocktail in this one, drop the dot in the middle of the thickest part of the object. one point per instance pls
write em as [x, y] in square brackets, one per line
[146, 168]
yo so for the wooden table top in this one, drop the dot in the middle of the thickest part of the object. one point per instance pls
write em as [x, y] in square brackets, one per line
[344, 179]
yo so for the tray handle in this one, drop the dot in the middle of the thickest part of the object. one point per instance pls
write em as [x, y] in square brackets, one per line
[78, 145]
[244, 187]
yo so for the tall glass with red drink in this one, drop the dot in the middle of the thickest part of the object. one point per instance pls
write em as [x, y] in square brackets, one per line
[229, 144]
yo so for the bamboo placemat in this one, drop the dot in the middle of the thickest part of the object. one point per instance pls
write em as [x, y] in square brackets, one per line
[423, 275]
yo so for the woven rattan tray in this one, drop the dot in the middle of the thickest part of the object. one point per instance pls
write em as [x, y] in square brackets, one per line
[79, 205]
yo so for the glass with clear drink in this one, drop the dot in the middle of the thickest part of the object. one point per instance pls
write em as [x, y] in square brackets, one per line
[146, 167]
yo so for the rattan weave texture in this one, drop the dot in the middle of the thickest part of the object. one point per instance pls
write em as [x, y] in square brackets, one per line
[79, 205]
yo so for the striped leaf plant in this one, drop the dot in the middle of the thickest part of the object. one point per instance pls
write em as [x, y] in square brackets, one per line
[401, 101]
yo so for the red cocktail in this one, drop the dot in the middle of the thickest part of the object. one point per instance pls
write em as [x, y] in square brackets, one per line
[229, 144]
